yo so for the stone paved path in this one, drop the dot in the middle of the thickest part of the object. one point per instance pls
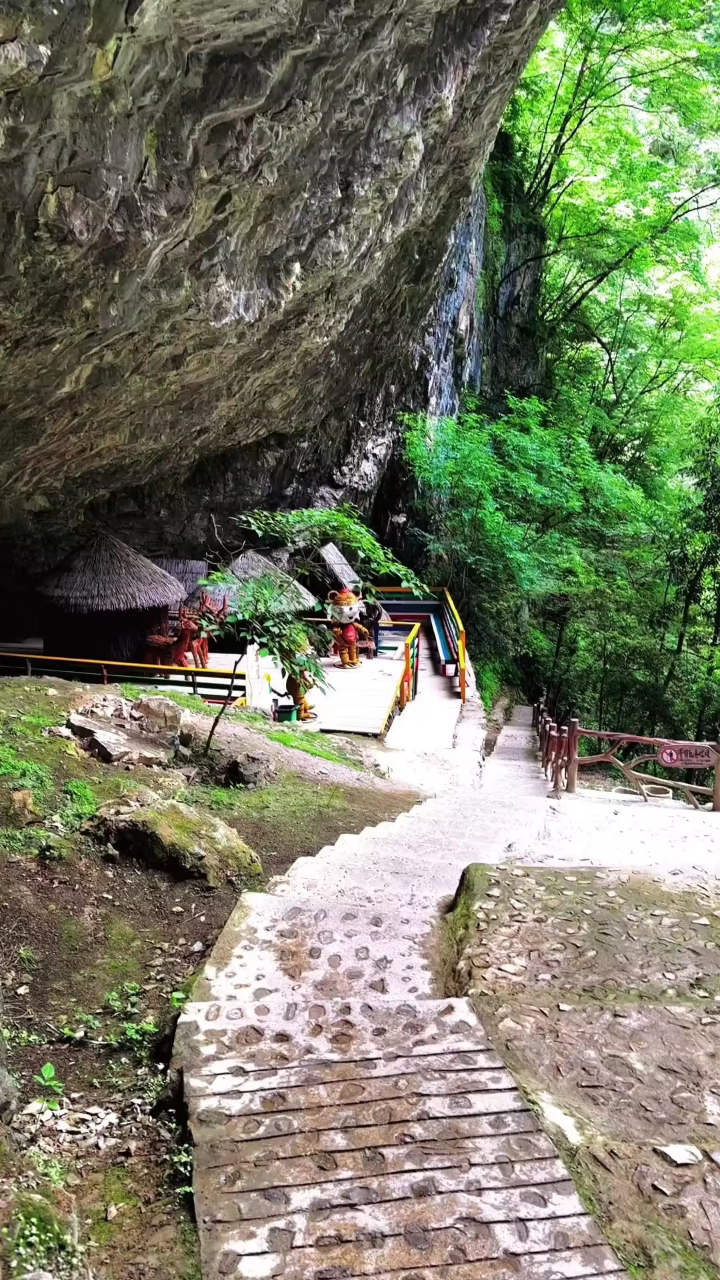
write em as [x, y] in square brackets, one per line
[347, 1121]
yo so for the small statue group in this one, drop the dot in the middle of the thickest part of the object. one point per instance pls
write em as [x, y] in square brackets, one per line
[168, 650]
[345, 608]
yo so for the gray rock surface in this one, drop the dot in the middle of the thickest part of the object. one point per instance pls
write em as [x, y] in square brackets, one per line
[8, 1087]
[223, 225]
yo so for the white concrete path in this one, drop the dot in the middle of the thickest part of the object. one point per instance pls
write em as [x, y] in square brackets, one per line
[347, 1121]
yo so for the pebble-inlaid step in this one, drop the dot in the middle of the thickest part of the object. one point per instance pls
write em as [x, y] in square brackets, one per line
[275, 946]
[347, 1123]
[353, 1095]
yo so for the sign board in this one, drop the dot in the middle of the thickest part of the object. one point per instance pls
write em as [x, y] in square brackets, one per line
[688, 755]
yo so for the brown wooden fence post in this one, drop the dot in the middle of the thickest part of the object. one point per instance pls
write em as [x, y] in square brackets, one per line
[572, 765]
[552, 739]
[544, 737]
[560, 755]
[716, 788]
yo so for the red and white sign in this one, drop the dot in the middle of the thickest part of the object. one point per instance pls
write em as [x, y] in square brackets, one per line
[688, 755]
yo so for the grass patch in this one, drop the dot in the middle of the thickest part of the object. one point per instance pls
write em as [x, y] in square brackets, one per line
[27, 773]
[121, 961]
[298, 739]
[72, 934]
[80, 805]
[313, 745]
[293, 817]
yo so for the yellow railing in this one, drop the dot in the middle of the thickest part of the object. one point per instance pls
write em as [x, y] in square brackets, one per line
[142, 671]
[462, 652]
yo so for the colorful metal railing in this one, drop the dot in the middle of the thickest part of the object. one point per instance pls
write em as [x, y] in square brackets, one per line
[454, 627]
[440, 612]
[409, 682]
[209, 683]
[561, 758]
[407, 685]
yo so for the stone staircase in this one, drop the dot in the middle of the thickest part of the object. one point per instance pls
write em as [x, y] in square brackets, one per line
[348, 1121]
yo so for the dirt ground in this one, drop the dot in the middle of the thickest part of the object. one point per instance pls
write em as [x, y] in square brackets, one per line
[97, 957]
[602, 991]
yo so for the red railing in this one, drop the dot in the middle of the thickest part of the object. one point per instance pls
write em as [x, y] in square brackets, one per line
[561, 758]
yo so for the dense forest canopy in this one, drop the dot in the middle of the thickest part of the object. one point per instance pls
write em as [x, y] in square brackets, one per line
[580, 521]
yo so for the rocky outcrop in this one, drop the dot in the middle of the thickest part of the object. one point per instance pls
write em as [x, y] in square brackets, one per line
[178, 839]
[223, 231]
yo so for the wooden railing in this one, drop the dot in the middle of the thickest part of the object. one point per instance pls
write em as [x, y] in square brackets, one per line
[211, 684]
[561, 758]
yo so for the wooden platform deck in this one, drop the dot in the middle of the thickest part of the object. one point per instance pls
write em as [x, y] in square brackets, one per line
[359, 699]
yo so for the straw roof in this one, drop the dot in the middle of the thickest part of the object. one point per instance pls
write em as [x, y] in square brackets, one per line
[252, 565]
[187, 572]
[337, 566]
[109, 576]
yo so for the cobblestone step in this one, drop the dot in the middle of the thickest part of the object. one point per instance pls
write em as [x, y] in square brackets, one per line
[347, 1122]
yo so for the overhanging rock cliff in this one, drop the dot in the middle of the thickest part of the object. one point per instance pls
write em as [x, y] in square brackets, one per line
[225, 223]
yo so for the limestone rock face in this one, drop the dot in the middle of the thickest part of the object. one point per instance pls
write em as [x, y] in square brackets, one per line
[223, 224]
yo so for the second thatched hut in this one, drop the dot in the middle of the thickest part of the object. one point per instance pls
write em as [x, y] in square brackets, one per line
[104, 601]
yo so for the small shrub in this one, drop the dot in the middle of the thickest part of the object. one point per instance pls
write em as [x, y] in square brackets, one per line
[52, 1086]
[19, 1037]
[50, 1168]
[181, 1170]
[125, 1000]
[39, 1241]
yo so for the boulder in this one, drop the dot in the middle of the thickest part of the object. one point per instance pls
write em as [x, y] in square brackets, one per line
[178, 839]
[81, 725]
[159, 713]
[22, 805]
[109, 746]
[247, 771]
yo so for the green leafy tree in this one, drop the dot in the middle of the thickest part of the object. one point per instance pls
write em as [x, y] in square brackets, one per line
[581, 530]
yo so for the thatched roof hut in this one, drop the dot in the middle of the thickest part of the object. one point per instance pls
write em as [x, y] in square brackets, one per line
[253, 565]
[104, 600]
[188, 572]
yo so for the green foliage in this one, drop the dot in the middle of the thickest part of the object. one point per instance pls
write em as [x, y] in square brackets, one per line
[81, 804]
[52, 1087]
[49, 1167]
[264, 612]
[313, 745]
[580, 530]
[135, 1031]
[126, 1000]
[38, 1240]
[26, 773]
[489, 683]
[313, 527]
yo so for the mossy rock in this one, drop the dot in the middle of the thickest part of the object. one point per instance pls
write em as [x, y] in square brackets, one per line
[179, 840]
